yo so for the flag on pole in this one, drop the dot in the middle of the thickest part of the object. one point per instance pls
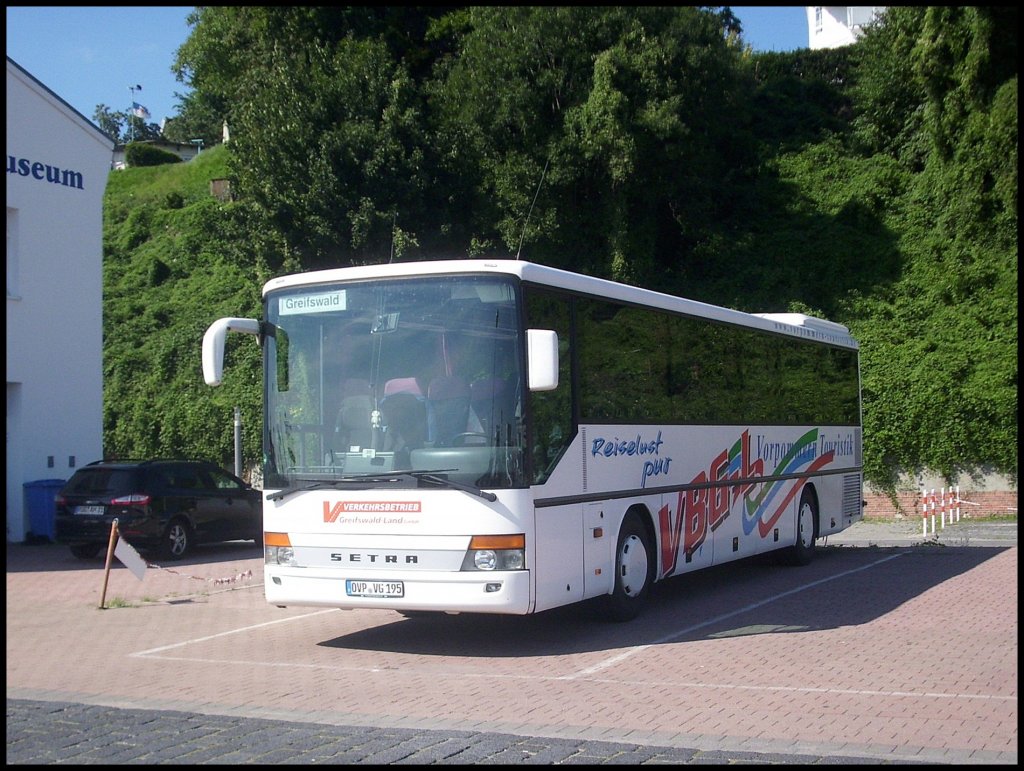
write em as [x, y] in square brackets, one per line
[130, 558]
[139, 111]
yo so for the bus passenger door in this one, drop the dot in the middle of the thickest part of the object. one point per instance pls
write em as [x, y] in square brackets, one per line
[598, 552]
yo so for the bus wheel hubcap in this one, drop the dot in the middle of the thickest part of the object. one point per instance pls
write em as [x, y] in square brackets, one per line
[633, 566]
[806, 525]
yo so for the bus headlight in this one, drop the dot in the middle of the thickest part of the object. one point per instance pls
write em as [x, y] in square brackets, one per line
[277, 549]
[485, 559]
[279, 555]
[496, 552]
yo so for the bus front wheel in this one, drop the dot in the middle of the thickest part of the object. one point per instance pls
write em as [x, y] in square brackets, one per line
[634, 570]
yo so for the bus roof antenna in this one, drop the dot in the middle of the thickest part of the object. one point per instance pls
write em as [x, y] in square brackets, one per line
[394, 221]
[527, 222]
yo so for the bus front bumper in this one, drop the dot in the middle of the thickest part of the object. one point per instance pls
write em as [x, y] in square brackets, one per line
[453, 592]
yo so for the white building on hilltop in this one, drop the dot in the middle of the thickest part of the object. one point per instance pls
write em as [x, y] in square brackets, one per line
[57, 167]
[835, 26]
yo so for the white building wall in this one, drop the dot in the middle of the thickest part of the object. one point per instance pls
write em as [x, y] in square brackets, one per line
[54, 289]
[832, 26]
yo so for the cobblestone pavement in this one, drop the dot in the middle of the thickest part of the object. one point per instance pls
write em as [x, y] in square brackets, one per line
[42, 732]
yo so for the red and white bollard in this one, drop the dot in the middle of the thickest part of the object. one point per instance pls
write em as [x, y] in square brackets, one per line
[924, 513]
[928, 504]
[947, 501]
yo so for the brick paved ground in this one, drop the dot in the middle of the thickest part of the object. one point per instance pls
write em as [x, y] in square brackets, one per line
[883, 654]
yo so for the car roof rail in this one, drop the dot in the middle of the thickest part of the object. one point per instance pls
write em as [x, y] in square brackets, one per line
[151, 461]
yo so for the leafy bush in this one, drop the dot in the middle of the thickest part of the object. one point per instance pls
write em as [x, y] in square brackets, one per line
[137, 154]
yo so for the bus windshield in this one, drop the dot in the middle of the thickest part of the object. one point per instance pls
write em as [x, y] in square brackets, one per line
[398, 382]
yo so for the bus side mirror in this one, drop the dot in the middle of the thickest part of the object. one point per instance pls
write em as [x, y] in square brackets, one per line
[213, 345]
[542, 359]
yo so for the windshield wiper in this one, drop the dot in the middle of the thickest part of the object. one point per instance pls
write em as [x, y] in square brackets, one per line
[315, 484]
[432, 476]
[374, 477]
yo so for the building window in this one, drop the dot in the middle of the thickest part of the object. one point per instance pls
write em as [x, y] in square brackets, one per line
[857, 18]
[817, 19]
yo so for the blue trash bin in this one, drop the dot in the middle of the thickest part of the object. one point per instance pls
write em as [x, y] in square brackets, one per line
[42, 510]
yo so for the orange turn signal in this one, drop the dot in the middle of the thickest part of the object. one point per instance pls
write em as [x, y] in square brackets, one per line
[276, 539]
[517, 541]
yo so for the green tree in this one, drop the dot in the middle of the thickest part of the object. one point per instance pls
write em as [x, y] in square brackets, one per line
[888, 93]
[344, 123]
[326, 121]
[631, 111]
[227, 45]
[124, 126]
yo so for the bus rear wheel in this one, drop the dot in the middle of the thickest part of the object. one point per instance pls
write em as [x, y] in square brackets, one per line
[802, 552]
[634, 570]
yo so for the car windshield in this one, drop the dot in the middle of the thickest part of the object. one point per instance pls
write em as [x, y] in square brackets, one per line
[415, 374]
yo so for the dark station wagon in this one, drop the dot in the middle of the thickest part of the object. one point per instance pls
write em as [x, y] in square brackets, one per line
[162, 505]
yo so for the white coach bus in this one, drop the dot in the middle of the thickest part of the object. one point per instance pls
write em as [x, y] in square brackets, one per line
[504, 437]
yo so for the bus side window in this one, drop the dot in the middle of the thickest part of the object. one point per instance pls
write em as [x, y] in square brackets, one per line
[552, 426]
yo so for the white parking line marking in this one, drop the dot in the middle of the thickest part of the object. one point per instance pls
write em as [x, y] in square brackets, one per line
[406, 670]
[142, 654]
[739, 611]
[798, 689]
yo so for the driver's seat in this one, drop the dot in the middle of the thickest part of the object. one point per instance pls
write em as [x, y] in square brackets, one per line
[447, 409]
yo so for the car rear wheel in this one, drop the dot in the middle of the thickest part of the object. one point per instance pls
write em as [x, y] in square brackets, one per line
[177, 540]
[86, 551]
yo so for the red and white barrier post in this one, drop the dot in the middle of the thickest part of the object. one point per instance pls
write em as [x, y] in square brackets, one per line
[947, 501]
[924, 513]
[928, 506]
